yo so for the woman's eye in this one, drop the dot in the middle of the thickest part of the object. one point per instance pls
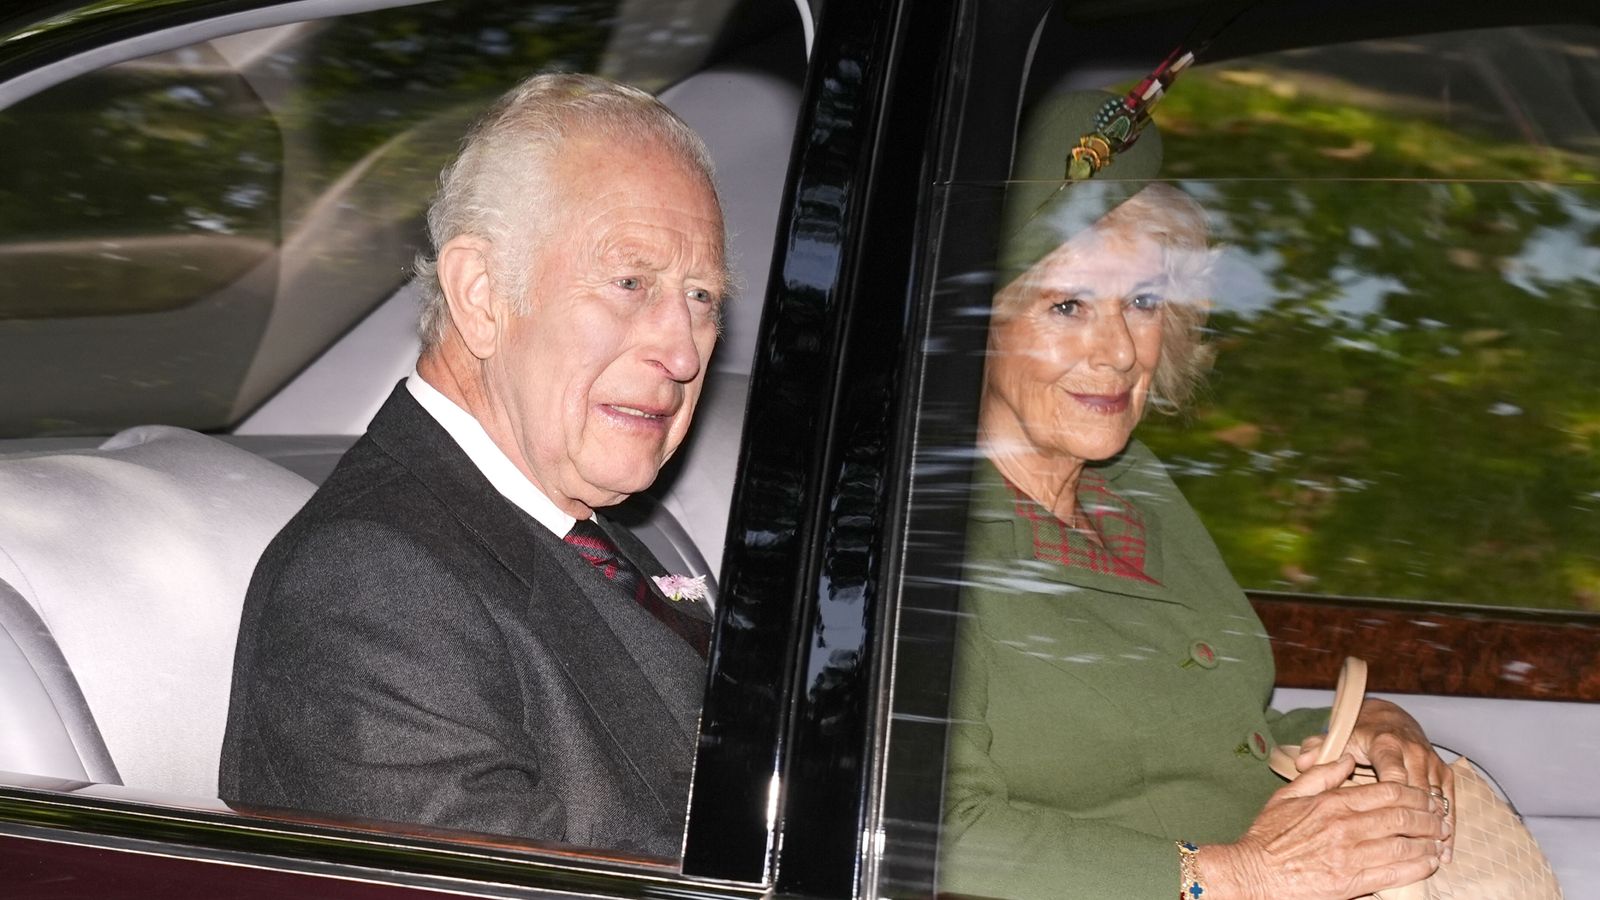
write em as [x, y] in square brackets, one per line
[630, 284]
[700, 296]
[1067, 307]
[1145, 301]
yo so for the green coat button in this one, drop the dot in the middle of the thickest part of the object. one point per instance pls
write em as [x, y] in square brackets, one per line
[1202, 653]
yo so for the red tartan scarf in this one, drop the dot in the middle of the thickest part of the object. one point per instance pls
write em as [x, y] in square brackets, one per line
[1116, 545]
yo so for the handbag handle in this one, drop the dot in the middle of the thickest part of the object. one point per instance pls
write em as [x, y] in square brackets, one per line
[1347, 696]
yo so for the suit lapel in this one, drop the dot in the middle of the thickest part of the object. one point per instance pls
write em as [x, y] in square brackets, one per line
[650, 731]
[637, 553]
[664, 672]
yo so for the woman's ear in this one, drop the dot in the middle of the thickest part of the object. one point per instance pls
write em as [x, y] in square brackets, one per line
[463, 269]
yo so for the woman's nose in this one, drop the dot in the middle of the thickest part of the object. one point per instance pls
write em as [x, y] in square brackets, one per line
[1111, 343]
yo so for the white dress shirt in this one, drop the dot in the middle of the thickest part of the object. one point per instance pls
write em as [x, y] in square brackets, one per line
[490, 459]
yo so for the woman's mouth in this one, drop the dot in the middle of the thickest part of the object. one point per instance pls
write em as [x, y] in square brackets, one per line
[1105, 404]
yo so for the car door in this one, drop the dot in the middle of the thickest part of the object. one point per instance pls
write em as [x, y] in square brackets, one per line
[1393, 450]
[280, 220]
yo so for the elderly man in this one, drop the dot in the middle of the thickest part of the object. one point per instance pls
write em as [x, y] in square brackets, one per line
[447, 633]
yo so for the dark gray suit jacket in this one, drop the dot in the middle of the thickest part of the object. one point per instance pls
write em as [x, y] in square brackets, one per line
[416, 648]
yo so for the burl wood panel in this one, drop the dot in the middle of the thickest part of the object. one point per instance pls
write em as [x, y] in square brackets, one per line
[1432, 649]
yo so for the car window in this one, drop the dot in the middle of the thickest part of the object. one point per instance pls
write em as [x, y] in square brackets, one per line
[1402, 404]
[1400, 283]
[181, 233]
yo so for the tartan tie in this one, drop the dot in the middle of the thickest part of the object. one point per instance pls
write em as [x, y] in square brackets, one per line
[594, 545]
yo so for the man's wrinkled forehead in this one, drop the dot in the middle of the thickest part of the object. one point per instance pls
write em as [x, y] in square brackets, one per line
[655, 215]
[668, 243]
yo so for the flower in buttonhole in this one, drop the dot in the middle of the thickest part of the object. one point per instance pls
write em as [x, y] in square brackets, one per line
[682, 587]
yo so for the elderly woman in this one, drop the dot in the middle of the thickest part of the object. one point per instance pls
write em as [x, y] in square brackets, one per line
[1110, 720]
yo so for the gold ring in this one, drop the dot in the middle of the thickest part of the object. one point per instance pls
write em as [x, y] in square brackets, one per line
[1436, 791]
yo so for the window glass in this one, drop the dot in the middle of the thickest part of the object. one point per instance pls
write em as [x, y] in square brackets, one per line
[1400, 282]
[1404, 399]
[180, 234]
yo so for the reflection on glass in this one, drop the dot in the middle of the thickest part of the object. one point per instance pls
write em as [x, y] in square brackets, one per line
[1404, 295]
[180, 234]
[1404, 404]
[1404, 399]
[1097, 620]
[87, 231]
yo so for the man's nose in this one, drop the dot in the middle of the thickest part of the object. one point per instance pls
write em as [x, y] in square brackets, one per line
[1111, 342]
[670, 342]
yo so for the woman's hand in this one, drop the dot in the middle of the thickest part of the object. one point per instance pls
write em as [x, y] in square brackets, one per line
[1389, 740]
[1315, 840]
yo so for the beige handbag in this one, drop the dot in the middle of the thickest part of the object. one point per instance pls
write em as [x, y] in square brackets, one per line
[1495, 856]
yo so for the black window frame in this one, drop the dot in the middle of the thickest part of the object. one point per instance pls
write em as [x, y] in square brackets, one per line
[807, 573]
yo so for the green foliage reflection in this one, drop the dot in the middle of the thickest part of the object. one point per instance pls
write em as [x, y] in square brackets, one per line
[157, 215]
[1407, 399]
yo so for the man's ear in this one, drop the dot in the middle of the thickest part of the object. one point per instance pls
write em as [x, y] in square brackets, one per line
[463, 269]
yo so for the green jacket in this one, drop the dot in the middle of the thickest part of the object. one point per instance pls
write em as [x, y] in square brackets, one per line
[1098, 718]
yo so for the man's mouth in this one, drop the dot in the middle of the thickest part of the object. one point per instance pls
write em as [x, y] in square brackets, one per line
[652, 418]
[639, 413]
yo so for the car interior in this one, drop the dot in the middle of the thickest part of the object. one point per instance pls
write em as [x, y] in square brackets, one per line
[124, 559]
[120, 648]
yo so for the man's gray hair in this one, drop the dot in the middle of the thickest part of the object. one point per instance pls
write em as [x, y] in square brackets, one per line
[498, 187]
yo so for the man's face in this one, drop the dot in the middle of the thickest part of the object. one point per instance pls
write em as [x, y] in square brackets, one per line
[597, 383]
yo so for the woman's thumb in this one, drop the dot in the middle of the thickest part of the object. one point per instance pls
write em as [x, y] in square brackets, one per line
[1321, 778]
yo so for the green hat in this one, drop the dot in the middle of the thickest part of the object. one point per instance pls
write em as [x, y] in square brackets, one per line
[1042, 207]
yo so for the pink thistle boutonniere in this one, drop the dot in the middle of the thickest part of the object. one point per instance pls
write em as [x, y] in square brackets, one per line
[682, 587]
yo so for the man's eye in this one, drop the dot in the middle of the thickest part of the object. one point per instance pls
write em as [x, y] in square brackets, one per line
[700, 296]
[1146, 301]
[630, 284]
[1067, 307]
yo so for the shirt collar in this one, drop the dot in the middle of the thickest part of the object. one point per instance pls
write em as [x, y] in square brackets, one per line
[489, 459]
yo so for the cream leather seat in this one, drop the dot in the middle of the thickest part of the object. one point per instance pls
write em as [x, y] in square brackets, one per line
[122, 573]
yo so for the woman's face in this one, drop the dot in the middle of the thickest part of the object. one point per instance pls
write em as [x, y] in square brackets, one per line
[1075, 344]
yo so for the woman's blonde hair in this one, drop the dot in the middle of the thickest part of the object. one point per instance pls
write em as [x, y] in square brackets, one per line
[1177, 223]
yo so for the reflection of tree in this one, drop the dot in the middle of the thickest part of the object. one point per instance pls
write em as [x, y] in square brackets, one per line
[139, 150]
[301, 156]
[1412, 410]
[369, 77]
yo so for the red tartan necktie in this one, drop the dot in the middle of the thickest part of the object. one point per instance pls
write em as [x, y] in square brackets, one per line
[596, 546]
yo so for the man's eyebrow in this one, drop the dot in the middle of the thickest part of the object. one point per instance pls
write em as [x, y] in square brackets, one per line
[628, 254]
[719, 279]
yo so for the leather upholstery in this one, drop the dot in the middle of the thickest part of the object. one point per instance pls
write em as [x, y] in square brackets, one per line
[45, 724]
[134, 558]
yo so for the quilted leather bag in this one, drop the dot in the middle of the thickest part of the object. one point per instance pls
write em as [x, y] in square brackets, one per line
[1496, 858]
